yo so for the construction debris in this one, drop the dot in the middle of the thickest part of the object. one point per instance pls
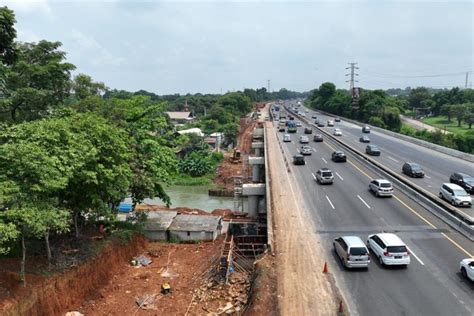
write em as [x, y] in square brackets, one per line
[146, 301]
[141, 261]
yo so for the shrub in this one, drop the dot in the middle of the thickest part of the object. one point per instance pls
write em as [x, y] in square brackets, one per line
[196, 164]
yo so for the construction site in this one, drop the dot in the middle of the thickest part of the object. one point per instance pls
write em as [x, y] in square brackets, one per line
[226, 269]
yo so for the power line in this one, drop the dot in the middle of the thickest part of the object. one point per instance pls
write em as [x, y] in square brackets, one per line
[385, 75]
[352, 67]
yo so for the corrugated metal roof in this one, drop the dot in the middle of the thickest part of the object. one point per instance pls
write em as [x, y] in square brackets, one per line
[184, 222]
[160, 220]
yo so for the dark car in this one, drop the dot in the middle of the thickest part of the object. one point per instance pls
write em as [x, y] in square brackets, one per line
[298, 160]
[308, 130]
[321, 124]
[314, 117]
[338, 156]
[364, 139]
[372, 150]
[318, 138]
[337, 119]
[464, 180]
[413, 170]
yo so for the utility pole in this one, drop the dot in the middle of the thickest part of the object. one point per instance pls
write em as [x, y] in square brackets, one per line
[467, 77]
[268, 86]
[353, 90]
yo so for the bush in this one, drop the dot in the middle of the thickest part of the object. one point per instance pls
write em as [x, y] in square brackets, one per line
[377, 121]
[196, 164]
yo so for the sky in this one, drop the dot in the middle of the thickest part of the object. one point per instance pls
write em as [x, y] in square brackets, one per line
[183, 47]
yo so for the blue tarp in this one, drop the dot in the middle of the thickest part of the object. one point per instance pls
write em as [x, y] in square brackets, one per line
[125, 207]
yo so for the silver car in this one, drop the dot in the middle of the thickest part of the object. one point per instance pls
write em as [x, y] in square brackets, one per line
[324, 175]
[455, 194]
[352, 252]
[381, 187]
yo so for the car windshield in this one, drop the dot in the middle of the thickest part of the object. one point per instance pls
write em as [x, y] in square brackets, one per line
[358, 251]
[327, 174]
[385, 185]
[460, 193]
[469, 180]
[397, 249]
[415, 168]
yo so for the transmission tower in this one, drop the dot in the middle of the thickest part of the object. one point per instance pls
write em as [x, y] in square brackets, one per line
[268, 85]
[353, 90]
[467, 78]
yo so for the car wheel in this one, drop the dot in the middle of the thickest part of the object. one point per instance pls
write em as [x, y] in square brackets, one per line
[440, 195]
[381, 260]
[453, 203]
[377, 193]
[464, 272]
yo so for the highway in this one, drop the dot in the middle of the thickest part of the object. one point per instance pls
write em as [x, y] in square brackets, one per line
[431, 284]
[394, 152]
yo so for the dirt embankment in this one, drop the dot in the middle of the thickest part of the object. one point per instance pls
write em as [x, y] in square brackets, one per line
[53, 295]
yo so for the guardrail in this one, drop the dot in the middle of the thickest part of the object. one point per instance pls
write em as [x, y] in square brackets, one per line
[268, 193]
[451, 216]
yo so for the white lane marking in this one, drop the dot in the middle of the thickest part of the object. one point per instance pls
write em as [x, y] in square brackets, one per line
[429, 186]
[362, 200]
[293, 142]
[324, 160]
[416, 257]
[427, 177]
[329, 202]
[314, 149]
[337, 174]
[314, 177]
[391, 158]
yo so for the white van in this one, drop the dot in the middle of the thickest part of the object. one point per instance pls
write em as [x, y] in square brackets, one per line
[389, 249]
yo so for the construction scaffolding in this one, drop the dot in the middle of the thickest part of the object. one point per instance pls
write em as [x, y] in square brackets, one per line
[238, 196]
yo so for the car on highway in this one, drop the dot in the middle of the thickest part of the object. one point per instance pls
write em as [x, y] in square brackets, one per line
[287, 138]
[321, 124]
[298, 123]
[364, 139]
[352, 252]
[338, 156]
[455, 194]
[413, 170]
[381, 187]
[463, 180]
[330, 123]
[337, 119]
[298, 160]
[318, 138]
[466, 266]
[308, 130]
[306, 150]
[337, 132]
[314, 116]
[304, 139]
[372, 150]
[389, 249]
[306, 110]
[366, 129]
[324, 175]
[302, 114]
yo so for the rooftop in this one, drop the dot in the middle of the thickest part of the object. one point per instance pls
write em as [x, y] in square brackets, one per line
[196, 223]
[179, 115]
[160, 220]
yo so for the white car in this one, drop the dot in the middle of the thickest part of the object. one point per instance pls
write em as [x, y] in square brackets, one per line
[330, 123]
[337, 132]
[298, 124]
[455, 194]
[287, 138]
[381, 187]
[389, 249]
[302, 114]
[466, 266]
[304, 139]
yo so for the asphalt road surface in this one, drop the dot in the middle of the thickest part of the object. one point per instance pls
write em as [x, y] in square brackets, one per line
[431, 284]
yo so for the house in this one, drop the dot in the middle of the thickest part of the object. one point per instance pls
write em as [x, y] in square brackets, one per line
[157, 224]
[179, 118]
[195, 227]
[215, 140]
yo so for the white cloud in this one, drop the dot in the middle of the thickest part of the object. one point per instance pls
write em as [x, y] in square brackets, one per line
[30, 6]
[99, 55]
[27, 35]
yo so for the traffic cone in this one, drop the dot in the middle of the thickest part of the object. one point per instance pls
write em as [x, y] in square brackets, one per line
[341, 307]
[325, 270]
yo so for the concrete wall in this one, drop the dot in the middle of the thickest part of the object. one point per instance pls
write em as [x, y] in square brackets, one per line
[193, 236]
[156, 235]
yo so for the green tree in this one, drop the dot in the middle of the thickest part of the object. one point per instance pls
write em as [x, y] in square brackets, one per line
[417, 96]
[7, 36]
[459, 111]
[36, 83]
[83, 87]
[447, 110]
[377, 121]
[469, 116]
[8, 232]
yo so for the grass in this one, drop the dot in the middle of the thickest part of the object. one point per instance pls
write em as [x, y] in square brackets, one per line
[182, 179]
[442, 123]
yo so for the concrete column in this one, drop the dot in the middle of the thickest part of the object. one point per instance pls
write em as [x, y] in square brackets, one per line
[257, 152]
[258, 147]
[253, 191]
[253, 205]
[256, 173]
